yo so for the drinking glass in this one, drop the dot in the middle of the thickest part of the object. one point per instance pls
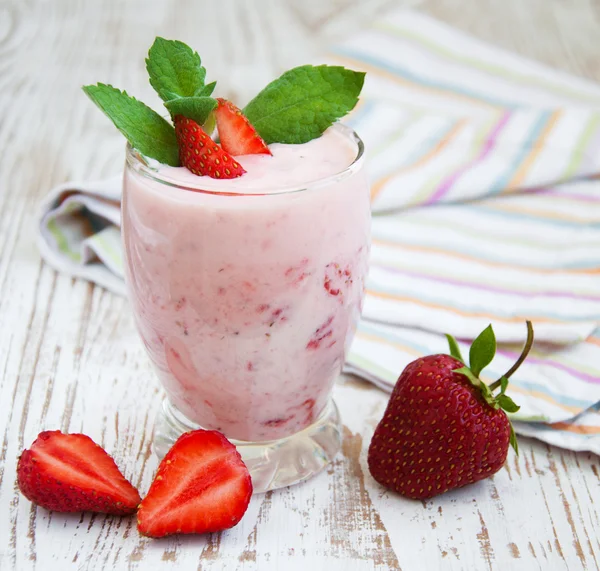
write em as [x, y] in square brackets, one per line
[247, 301]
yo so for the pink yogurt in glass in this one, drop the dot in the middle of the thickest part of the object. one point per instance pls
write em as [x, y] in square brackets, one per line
[246, 292]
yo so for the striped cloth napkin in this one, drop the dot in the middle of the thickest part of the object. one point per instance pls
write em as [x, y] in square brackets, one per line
[486, 200]
[486, 203]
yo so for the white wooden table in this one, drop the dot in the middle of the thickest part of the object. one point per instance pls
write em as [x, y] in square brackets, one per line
[70, 358]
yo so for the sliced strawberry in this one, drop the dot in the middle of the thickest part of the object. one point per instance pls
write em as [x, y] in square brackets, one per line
[202, 485]
[71, 473]
[237, 135]
[200, 154]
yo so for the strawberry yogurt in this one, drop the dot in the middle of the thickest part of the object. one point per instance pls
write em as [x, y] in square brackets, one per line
[246, 292]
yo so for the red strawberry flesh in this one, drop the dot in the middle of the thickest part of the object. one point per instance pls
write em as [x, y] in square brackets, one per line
[237, 135]
[71, 473]
[200, 154]
[437, 433]
[201, 486]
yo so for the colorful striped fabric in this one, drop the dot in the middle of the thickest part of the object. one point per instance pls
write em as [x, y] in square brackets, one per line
[486, 209]
[486, 200]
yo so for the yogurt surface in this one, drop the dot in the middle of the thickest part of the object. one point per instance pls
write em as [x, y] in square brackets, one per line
[289, 166]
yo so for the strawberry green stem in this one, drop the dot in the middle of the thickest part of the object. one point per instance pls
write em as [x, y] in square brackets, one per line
[522, 357]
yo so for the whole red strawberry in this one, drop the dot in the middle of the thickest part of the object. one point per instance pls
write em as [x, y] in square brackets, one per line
[443, 427]
[71, 473]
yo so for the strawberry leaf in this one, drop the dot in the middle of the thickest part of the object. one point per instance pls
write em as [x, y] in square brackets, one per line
[196, 108]
[513, 440]
[503, 384]
[485, 391]
[145, 129]
[478, 383]
[454, 348]
[469, 374]
[507, 404]
[303, 102]
[175, 69]
[482, 350]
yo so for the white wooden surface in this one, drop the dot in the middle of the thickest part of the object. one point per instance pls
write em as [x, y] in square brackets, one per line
[70, 358]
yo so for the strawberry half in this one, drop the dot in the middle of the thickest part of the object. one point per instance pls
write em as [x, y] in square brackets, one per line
[202, 485]
[71, 473]
[236, 133]
[200, 154]
[443, 427]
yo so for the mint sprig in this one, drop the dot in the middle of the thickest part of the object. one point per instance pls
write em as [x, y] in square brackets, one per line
[145, 129]
[304, 102]
[481, 353]
[293, 109]
[175, 69]
[177, 75]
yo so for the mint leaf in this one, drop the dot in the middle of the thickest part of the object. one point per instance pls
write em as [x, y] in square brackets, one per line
[507, 404]
[482, 350]
[175, 69]
[145, 129]
[207, 89]
[454, 348]
[196, 108]
[304, 102]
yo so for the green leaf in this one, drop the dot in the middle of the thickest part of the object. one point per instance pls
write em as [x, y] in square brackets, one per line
[210, 124]
[196, 108]
[503, 384]
[175, 69]
[482, 350]
[304, 102]
[469, 374]
[507, 404]
[485, 391]
[477, 382]
[454, 348]
[207, 90]
[145, 129]
[513, 440]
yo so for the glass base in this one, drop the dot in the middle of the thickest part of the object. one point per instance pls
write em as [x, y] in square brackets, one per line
[274, 463]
